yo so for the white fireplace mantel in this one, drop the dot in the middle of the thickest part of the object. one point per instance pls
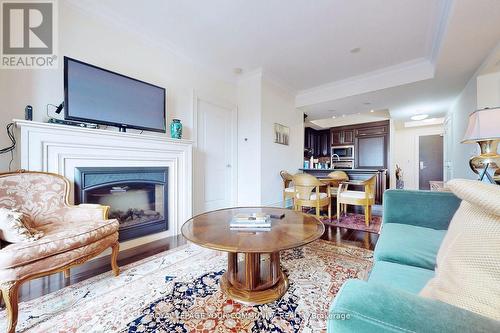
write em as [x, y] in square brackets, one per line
[61, 148]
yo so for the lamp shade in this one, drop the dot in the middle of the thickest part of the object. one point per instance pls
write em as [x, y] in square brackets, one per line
[484, 124]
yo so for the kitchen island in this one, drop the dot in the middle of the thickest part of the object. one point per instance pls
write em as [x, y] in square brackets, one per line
[359, 174]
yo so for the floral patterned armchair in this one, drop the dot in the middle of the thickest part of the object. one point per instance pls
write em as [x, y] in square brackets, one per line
[72, 234]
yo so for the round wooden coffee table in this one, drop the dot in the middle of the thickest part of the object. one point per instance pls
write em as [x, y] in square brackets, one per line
[253, 275]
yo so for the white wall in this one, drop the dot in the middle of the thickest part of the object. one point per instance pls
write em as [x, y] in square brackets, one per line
[480, 91]
[249, 140]
[488, 91]
[405, 146]
[104, 44]
[261, 103]
[461, 152]
[278, 106]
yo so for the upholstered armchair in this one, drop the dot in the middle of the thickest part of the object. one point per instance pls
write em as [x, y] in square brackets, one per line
[71, 234]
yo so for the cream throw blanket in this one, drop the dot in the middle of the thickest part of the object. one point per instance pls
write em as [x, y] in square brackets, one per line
[468, 261]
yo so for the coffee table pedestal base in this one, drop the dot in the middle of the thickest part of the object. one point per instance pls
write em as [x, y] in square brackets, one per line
[254, 281]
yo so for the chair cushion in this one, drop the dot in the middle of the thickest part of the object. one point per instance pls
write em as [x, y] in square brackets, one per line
[407, 278]
[321, 196]
[468, 262]
[409, 245]
[353, 194]
[58, 238]
[58, 260]
[290, 189]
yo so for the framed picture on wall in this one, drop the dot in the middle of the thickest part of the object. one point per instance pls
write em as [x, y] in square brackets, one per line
[281, 134]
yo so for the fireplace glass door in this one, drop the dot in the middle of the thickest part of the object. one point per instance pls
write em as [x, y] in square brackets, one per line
[137, 196]
[131, 203]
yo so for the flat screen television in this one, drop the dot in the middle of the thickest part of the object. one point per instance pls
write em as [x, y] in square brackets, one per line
[97, 95]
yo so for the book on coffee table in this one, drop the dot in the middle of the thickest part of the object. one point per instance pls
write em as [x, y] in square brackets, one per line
[255, 220]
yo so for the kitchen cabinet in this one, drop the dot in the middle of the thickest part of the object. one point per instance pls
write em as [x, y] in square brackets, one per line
[324, 143]
[370, 141]
[371, 152]
[342, 136]
[310, 140]
[317, 141]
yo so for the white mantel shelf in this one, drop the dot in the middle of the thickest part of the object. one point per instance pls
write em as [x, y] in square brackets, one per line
[62, 148]
[75, 129]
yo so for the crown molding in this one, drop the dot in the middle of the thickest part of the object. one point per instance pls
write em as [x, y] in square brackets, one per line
[388, 77]
[440, 28]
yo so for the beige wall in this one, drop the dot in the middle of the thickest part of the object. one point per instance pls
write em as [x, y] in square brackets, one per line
[96, 41]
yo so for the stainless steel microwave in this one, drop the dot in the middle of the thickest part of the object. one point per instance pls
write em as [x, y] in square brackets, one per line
[344, 153]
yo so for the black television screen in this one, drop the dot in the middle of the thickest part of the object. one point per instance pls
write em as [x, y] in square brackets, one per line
[96, 95]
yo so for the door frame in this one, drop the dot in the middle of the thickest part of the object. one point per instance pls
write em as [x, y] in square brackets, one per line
[197, 177]
[416, 172]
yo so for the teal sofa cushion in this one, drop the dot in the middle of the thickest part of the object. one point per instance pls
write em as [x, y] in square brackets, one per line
[409, 245]
[408, 278]
[363, 307]
[420, 208]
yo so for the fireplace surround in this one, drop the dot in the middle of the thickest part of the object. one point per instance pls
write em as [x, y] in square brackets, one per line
[137, 196]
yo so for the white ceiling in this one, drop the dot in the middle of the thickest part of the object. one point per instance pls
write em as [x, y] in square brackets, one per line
[303, 43]
[306, 45]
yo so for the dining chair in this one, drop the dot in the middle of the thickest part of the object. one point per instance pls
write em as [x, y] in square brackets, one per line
[308, 194]
[364, 198]
[288, 190]
[337, 176]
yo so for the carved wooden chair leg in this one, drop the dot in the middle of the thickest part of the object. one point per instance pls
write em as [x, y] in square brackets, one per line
[115, 249]
[9, 295]
[67, 273]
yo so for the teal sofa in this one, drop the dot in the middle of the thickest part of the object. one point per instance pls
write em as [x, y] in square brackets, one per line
[414, 224]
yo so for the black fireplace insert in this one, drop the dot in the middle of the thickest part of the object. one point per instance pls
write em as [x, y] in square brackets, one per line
[137, 196]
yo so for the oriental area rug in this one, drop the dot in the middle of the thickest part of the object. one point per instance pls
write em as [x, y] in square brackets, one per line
[178, 291]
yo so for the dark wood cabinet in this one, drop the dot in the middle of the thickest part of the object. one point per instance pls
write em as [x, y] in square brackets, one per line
[336, 137]
[371, 131]
[318, 142]
[342, 137]
[348, 136]
[310, 137]
[370, 141]
[324, 143]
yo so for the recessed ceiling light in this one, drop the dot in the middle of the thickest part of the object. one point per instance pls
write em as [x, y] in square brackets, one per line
[419, 117]
[355, 50]
[333, 117]
[372, 111]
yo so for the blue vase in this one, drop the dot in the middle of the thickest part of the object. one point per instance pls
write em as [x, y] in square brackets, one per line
[176, 129]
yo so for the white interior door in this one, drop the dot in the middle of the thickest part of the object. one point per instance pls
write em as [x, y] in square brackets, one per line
[215, 156]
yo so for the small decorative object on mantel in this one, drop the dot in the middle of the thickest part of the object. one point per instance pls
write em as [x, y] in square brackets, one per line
[176, 129]
[484, 129]
[281, 134]
[400, 184]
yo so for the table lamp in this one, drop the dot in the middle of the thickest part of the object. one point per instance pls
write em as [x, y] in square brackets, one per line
[484, 128]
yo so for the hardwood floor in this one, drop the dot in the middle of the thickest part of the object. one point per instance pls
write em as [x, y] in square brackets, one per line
[45, 285]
